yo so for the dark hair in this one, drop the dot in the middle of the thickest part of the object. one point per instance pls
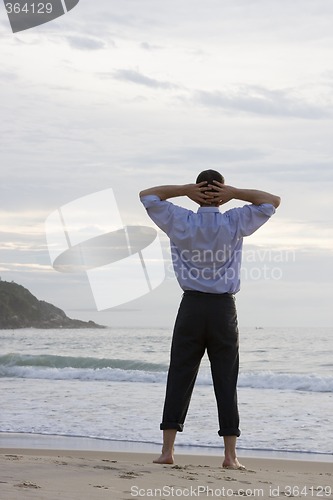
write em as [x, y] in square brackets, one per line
[209, 176]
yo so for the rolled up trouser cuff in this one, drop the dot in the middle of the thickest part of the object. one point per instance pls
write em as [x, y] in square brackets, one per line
[229, 432]
[171, 425]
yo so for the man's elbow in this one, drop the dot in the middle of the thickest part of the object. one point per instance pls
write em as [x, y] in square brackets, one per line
[142, 193]
[276, 201]
[152, 191]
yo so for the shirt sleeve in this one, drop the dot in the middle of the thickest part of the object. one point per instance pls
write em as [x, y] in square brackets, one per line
[165, 214]
[247, 219]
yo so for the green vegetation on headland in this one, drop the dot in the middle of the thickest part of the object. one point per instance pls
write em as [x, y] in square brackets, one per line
[20, 309]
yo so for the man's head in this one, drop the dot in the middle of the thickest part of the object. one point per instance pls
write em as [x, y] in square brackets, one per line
[209, 176]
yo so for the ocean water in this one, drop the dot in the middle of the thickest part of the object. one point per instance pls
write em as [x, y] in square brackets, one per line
[110, 384]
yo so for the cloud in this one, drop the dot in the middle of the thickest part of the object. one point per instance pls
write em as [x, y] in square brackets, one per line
[149, 46]
[305, 173]
[133, 76]
[85, 43]
[200, 156]
[29, 267]
[261, 101]
[7, 76]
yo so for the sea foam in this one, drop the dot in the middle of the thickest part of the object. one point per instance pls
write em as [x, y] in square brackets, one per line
[51, 367]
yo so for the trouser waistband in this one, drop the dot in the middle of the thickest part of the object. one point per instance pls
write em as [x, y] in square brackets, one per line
[206, 294]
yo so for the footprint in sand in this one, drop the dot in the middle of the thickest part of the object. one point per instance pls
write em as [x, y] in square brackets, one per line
[28, 484]
[129, 475]
[13, 457]
[105, 467]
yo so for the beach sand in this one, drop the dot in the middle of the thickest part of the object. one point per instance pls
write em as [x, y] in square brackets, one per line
[70, 475]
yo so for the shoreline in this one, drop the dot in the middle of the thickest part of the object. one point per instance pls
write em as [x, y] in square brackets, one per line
[27, 441]
[51, 474]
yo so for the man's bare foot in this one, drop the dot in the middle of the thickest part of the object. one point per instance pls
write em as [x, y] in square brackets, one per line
[233, 464]
[165, 458]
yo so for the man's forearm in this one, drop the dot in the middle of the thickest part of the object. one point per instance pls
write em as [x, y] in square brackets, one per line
[165, 192]
[256, 197]
[195, 192]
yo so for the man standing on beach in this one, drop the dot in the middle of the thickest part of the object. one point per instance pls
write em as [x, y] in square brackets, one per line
[206, 249]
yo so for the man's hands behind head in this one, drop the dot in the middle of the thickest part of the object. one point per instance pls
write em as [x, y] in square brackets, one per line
[197, 193]
[210, 194]
[219, 194]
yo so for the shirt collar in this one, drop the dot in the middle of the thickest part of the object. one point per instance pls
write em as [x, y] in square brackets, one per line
[208, 209]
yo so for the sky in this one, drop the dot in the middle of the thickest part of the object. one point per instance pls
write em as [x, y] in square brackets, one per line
[128, 95]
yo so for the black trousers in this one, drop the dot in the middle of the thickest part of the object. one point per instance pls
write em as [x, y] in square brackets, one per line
[204, 321]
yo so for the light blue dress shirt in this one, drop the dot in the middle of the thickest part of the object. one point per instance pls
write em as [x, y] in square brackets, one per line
[206, 246]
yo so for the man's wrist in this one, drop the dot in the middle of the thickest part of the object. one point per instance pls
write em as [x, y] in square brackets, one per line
[185, 189]
[234, 192]
[240, 194]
